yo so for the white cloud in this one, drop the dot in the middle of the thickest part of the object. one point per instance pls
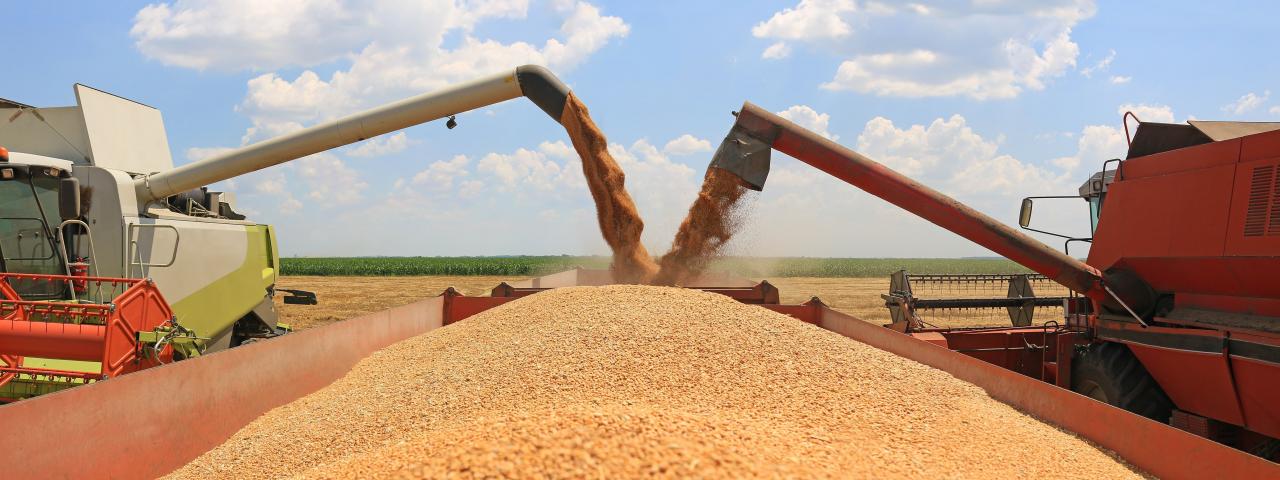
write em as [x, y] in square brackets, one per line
[981, 50]
[270, 191]
[289, 205]
[585, 31]
[470, 188]
[1097, 144]
[1275, 110]
[1101, 66]
[382, 145]
[329, 180]
[196, 154]
[537, 169]
[810, 20]
[1247, 103]
[241, 34]
[385, 49]
[271, 185]
[1148, 113]
[943, 147]
[807, 117]
[776, 51]
[441, 174]
[1003, 174]
[1120, 79]
[686, 145]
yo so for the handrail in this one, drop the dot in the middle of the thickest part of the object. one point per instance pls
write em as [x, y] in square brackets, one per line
[133, 244]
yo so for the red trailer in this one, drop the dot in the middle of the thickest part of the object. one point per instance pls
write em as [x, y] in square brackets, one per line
[1180, 315]
[229, 389]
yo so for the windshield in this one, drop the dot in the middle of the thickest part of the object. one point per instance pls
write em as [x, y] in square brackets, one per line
[28, 215]
[1095, 209]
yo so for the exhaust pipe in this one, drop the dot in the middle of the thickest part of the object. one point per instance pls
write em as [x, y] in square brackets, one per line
[532, 81]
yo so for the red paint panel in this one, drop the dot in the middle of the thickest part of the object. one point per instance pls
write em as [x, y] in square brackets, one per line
[1197, 382]
[1215, 154]
[1161, 217]
[1198, 203]
[1259, 384]
[1238, 243]
[1108, 239]
[458, 308]
[931, 337]
[1005, 347]
[1260, 146]
[809, 312]
[51, 340]
[1247, 305]
[1159, 449]
[1231, 276]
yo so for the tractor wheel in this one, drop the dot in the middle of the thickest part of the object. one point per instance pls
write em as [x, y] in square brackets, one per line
[1108, 372]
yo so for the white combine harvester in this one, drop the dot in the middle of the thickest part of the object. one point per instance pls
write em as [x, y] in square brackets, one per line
[112, 260]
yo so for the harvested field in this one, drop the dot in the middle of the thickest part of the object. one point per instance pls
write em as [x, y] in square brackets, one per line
[646, 381]
[348, 297]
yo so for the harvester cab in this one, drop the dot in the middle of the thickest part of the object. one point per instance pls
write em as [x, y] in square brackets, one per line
[112, 260]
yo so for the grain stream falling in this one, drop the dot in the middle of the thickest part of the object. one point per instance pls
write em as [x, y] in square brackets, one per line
[710, 224]
[620, 222]
[639, 381]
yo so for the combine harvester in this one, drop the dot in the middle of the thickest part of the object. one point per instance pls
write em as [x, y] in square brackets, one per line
[114, 261]
[148, 423]
[1182, 318]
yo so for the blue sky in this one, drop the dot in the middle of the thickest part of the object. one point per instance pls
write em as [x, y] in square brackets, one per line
[987, 101]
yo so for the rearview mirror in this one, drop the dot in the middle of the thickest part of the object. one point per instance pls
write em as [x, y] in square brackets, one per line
[1024, 215]
[69, 198]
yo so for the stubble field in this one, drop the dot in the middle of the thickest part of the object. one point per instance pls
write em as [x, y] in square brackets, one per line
[350, 287]
[343, 297]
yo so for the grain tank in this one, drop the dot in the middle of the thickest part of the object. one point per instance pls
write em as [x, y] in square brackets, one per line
[113, 260]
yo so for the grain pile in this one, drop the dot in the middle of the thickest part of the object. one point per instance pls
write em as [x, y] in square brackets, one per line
[626, 381]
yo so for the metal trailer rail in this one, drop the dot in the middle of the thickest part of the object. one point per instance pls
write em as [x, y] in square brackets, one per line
[140, 425]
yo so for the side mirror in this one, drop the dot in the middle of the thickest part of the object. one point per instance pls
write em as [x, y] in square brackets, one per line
[69, 198]
[1024, 215]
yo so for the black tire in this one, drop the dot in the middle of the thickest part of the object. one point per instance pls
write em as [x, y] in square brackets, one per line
[1108, 372]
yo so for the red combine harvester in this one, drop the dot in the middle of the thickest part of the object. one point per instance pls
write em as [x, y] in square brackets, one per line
[1180, 315]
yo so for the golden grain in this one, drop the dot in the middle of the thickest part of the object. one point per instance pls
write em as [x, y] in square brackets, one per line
[633, 381]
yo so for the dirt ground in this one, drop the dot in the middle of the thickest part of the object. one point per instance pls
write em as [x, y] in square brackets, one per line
[348, 297]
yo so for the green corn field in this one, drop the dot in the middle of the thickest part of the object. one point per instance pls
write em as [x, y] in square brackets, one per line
[541, 265]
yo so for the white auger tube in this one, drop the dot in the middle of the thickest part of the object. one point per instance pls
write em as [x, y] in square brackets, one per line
[532, 81]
